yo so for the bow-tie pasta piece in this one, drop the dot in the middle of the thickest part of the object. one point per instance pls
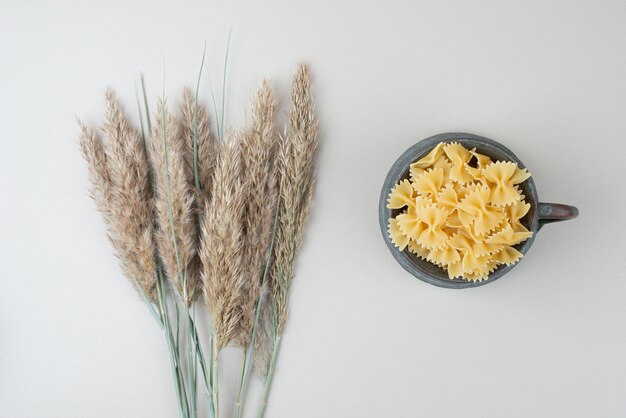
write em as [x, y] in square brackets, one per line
[397, 237]
[423, 201]
[444, 256]
[515, 212]
[455, 270]
[410, 225]
[415, 172]
[477, 275]
[458, 156]
[430, 182]
[463, 244]
[476, 164]
[401, 195]
[418, 250]
[507, 255]
[488, 219]
[484, 218]
[481, 272]
[472, 263]
[482, 161]
[508, 237]
[431, 157]
[479, 246]
[433, 235]
[448, 198]
[444, 164]
[504, 176]
[419, 167]
[467, 215]
[476, 173]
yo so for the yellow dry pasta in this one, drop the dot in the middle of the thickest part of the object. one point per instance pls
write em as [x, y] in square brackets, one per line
[504, 176]
[429, 182]
[460, 211]
[515, 212]
[410, 225]
[431, 157]
[434, 219]
[418, 250]
[402, 195]
[459, 157]
[478, 213]
[399, 239]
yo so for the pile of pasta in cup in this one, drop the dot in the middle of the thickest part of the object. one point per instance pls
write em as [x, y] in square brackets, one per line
[460, 211]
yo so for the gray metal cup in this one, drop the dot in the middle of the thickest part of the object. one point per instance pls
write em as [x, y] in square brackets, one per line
[540, 213]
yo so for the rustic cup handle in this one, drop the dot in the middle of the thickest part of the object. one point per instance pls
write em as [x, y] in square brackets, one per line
[555, 212]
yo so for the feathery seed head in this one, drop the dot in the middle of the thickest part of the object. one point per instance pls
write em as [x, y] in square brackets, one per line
[176, 223]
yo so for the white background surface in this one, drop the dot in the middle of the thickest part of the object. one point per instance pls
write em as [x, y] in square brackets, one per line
[365, 339]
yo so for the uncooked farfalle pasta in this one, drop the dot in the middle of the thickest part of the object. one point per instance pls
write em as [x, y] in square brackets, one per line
[460, 211]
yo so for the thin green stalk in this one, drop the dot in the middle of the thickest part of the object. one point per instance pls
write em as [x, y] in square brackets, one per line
[170, 345]
[247, 361]
[211, 376]
[206, 376]
[200, 355]
[214, 369]
[179, 369]
[195, 126]
[143, 132]
[193, 317]
[177, 310]
[269, 378]
[242, 377]
[217, 120]
[230, 31]
[192, 364]
[191, 371]
[180, 376]
[145, 102]
[182, 277]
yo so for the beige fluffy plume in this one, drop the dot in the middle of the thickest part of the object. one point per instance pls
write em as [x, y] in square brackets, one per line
[261, 190]
[176, 221]
[222, 242]
[194, 121]
[120, 177]
[296, 166]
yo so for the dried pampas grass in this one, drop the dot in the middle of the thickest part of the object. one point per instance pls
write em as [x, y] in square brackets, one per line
[295, 163]
[176, 225]
[194, 124]
[259, 144]
[120, 178]
[222, 244]
[222, 219]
